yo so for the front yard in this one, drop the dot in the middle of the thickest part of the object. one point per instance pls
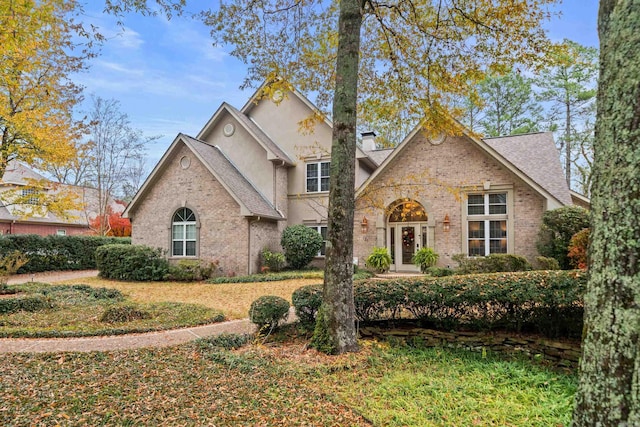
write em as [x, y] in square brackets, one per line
[281, 382]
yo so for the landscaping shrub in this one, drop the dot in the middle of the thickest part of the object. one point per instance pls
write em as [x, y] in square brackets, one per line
[225, 341]
[271, 277]
[439, 271]
[546, 302]
[86, 291]
[267, 311]
[379, 260]
[131, 262]
[558, 227]
[10, 263]
[301, 244]
[306, 301]
[123, 313]
[26, 303]
[273, 261]
[52, 253]
[578, 249]
[547, 263]
[425, 258]
[494, 263]
[192, 270]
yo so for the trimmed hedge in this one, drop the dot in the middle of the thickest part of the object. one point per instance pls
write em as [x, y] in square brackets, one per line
[546, 302]
[54, 253]
[131, 262]
[493, 263]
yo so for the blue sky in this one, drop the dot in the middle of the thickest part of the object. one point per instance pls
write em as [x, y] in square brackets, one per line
[169, 78]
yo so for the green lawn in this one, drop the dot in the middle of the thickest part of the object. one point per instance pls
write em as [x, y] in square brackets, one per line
[280, 384]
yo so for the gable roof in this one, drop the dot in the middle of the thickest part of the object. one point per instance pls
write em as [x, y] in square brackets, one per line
[555, 189]
[274, 152]
[361, 155]
[251, 201]
[536, 155]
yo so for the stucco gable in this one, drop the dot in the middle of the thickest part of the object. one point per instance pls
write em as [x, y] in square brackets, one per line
[274, 152]
[251, 202]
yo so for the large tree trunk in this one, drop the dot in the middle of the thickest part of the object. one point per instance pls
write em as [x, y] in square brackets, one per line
[609, 389]
[337, 322]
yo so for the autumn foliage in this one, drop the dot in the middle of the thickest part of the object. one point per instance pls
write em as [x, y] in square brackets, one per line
[111, 224]
[578, 248]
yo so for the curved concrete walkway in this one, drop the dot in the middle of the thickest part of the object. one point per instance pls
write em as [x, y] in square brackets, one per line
[111, 342]
[124, 342]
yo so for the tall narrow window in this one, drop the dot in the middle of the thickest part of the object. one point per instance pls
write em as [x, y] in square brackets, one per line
[487, 224]
[318, 177]
[322, 229]
[183, 233]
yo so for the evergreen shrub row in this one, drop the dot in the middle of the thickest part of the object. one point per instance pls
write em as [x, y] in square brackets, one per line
[54, 253]
[131, 262]
[546, 302]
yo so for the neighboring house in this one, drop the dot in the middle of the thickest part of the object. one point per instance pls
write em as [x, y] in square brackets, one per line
[230, 191]
[13, 220]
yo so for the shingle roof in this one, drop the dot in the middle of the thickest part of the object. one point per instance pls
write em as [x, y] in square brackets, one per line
[378, 156]
[231, 178]
[536, 155]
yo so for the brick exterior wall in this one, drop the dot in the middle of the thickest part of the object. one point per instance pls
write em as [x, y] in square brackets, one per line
[41, 229]
[438, 177]
[223, 235]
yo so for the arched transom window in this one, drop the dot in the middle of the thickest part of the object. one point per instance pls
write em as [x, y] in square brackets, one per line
[408, 211]
[183, 233]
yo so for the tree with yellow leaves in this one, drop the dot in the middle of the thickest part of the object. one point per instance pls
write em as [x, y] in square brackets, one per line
[382, 62]
[41, 47]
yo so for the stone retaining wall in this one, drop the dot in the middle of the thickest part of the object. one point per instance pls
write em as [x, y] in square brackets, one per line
[560, 353]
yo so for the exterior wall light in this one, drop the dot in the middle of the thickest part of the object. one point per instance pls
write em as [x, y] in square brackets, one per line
[364, 225]
[446, 224]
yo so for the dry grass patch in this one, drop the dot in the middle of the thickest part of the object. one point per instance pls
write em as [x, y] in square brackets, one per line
[233, 299]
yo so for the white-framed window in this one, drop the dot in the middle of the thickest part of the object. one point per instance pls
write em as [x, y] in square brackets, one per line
[61, 232]
[183, 233]
[26, 192]
[322, 229]
[317, 177]
[487, 224]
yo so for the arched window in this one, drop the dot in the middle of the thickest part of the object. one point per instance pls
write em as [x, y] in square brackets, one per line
[408, 211]
[183, 233]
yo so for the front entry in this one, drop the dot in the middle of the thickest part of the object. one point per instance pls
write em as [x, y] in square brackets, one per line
[406, 233]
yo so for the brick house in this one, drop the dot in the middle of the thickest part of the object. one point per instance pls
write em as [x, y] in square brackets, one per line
[230, 191]
[16, 219]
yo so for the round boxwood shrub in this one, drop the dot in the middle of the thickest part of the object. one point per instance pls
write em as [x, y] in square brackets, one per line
[267, 311]
[307, 301]
[301, 244]
[379, 260]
